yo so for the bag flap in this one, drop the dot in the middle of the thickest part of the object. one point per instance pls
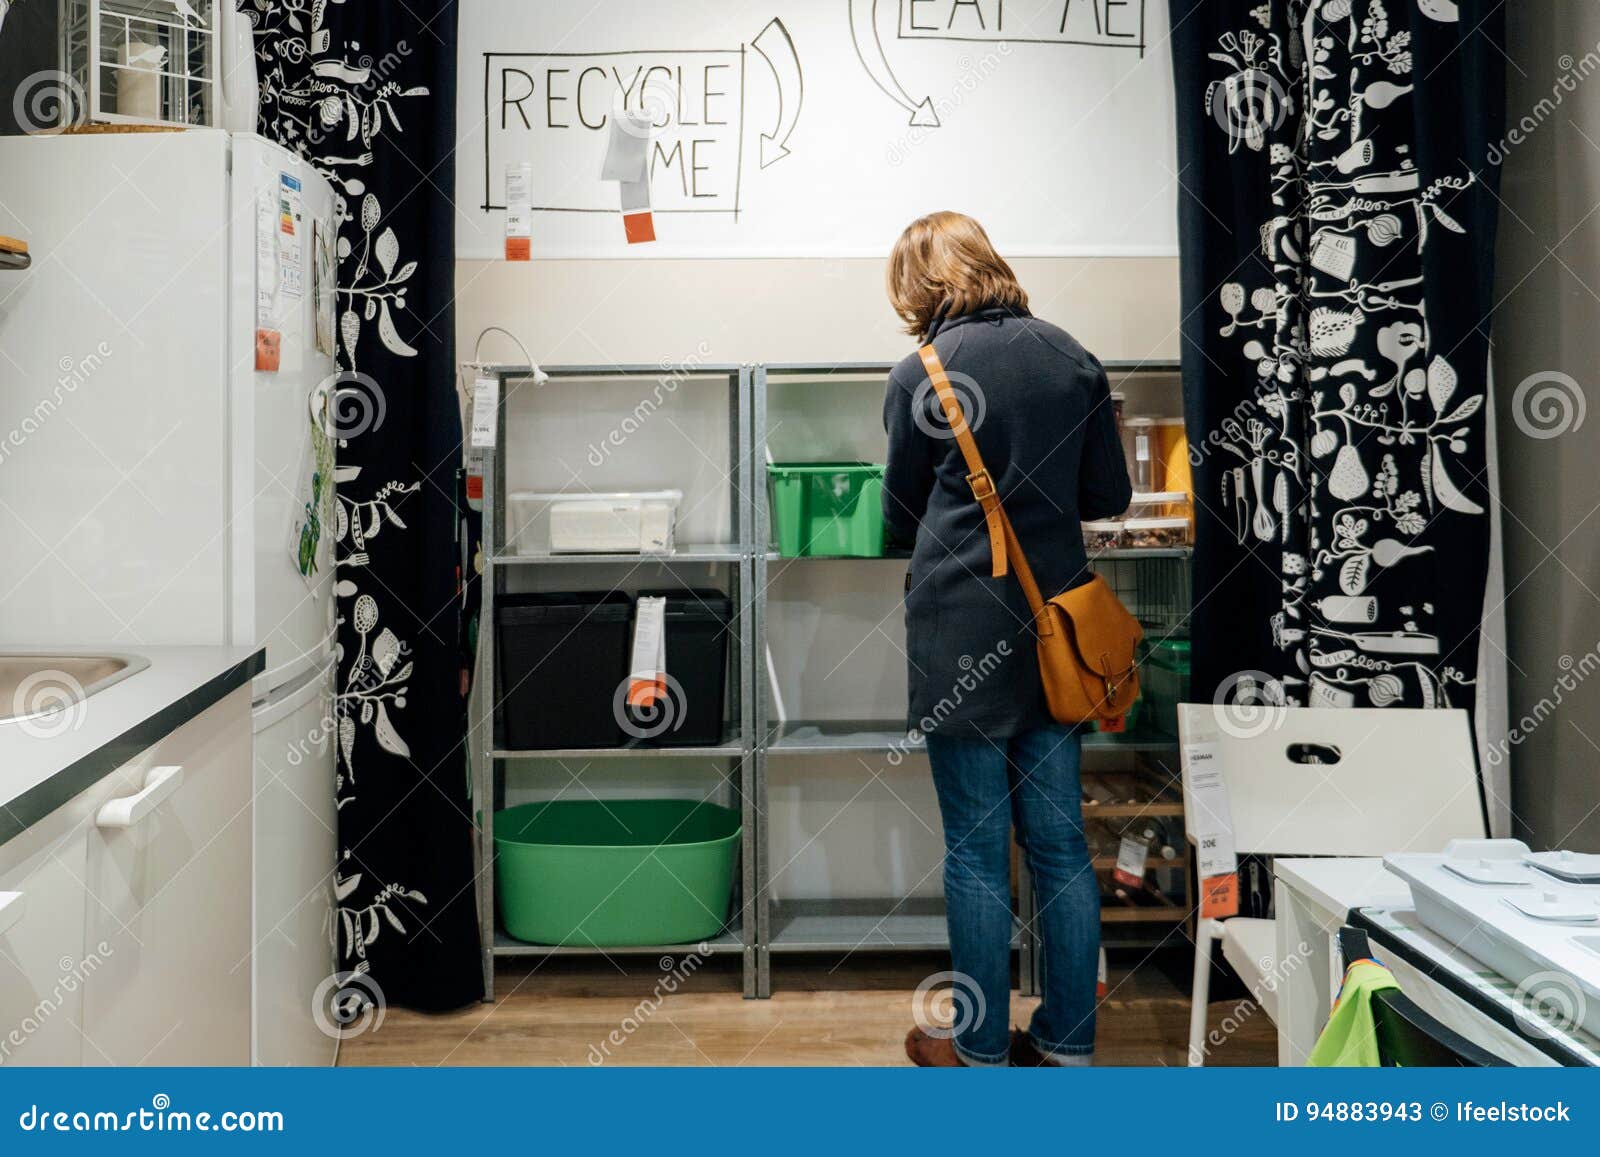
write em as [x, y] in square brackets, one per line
[1104, 634]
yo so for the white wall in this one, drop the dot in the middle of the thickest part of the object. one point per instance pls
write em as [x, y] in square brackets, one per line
[1549, 251]
[580, 312]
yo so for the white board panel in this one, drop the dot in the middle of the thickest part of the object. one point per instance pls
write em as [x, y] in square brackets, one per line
[795, 128]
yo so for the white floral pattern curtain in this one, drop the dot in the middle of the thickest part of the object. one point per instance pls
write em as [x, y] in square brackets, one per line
[1338, 226]
[366, 92]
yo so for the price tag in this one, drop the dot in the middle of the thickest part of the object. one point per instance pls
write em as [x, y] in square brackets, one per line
[1133, 854]
[485, 413]
[519, 212]
[1211, 822]
[647, 680]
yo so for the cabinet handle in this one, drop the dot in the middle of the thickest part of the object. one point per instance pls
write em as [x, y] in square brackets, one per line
[159, 784]
[12, 907]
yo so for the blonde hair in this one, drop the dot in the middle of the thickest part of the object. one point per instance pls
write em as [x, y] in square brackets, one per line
[947, 260]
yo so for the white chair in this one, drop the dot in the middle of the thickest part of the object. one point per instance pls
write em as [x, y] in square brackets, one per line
[1322, 782]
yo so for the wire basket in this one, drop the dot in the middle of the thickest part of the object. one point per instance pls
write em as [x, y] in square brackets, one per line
[1155, 590]
[141, 62]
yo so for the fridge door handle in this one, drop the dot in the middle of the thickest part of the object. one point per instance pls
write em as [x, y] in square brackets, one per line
[159, 785]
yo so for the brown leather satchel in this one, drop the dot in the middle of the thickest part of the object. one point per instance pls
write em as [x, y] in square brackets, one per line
[1087, 639]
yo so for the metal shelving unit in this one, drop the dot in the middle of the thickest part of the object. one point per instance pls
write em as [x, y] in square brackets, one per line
[907, 924]
[738, 750]
[762, 926]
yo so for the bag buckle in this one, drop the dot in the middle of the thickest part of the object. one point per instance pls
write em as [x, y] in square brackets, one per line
[982, 485]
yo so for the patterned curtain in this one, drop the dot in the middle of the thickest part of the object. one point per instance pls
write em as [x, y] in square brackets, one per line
[366, 92]
[1338, 221]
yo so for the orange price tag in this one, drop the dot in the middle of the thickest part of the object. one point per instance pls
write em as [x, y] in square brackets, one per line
[1219, 896]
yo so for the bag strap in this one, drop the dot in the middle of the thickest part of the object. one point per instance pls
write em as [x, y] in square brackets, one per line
[977, 474]
[1003, 544]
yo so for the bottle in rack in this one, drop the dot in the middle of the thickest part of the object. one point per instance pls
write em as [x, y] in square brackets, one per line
[1156, 834]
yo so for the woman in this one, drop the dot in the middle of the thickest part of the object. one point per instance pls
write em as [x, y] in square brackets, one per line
[1040, 411]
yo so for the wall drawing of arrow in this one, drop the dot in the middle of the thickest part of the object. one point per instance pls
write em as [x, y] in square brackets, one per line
[776, 47]
[864, 31]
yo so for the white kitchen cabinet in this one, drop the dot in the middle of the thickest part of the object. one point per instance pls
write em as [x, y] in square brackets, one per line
[169, 896]
[43, 965]
[296, 823]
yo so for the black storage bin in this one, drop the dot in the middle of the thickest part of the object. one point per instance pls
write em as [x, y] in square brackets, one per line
[697, 658]
[562, 659]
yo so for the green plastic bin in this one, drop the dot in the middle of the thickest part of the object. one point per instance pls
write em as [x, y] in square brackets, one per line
[827, 508]
[615, 873]
[1164, 683]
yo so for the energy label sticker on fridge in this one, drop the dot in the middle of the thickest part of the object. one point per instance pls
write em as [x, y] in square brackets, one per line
[291, 236]
[266, 260]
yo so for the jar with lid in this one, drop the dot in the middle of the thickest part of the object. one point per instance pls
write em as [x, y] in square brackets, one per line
[1139, 445]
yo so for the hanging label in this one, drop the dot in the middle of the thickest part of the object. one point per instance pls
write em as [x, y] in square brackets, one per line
[1102, 988]
[485, 413]
[1133, 854]
[519, 212]
[627, 161]
[638, 222]
[647, 679]
[627, 148]
[1212, 824]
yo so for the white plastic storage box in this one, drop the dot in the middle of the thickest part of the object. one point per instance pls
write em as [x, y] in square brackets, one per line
[1502, 906]
[623, 522]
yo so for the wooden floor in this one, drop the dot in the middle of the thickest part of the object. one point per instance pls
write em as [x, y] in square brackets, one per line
[570, 1011]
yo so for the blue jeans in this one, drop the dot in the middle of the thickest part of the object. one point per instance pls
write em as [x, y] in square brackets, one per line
[984, 787]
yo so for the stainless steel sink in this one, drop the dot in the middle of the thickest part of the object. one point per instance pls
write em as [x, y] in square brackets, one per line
[34, 685]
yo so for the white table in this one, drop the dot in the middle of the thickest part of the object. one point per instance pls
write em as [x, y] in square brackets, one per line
[1312, 901]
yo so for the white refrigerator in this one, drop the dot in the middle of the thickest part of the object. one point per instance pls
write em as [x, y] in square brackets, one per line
[157, 487]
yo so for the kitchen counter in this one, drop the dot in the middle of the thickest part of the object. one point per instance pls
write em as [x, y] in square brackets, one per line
[40, 773]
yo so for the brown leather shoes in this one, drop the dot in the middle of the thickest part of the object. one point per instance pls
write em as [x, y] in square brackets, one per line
[932, 1052]
[1023, 1054]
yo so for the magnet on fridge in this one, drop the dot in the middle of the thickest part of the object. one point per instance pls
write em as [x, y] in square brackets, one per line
[269, 350]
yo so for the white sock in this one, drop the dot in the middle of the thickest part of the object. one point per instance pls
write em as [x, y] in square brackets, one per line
[1071, 1061]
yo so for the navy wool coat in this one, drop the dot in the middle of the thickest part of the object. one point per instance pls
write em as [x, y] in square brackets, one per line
[1041, 413]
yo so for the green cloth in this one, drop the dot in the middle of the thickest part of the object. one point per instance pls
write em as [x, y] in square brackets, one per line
[1350, 1038]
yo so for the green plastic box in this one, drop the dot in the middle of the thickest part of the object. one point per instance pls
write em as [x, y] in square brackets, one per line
[827, 508]
[1164, 683]
[615, 873]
